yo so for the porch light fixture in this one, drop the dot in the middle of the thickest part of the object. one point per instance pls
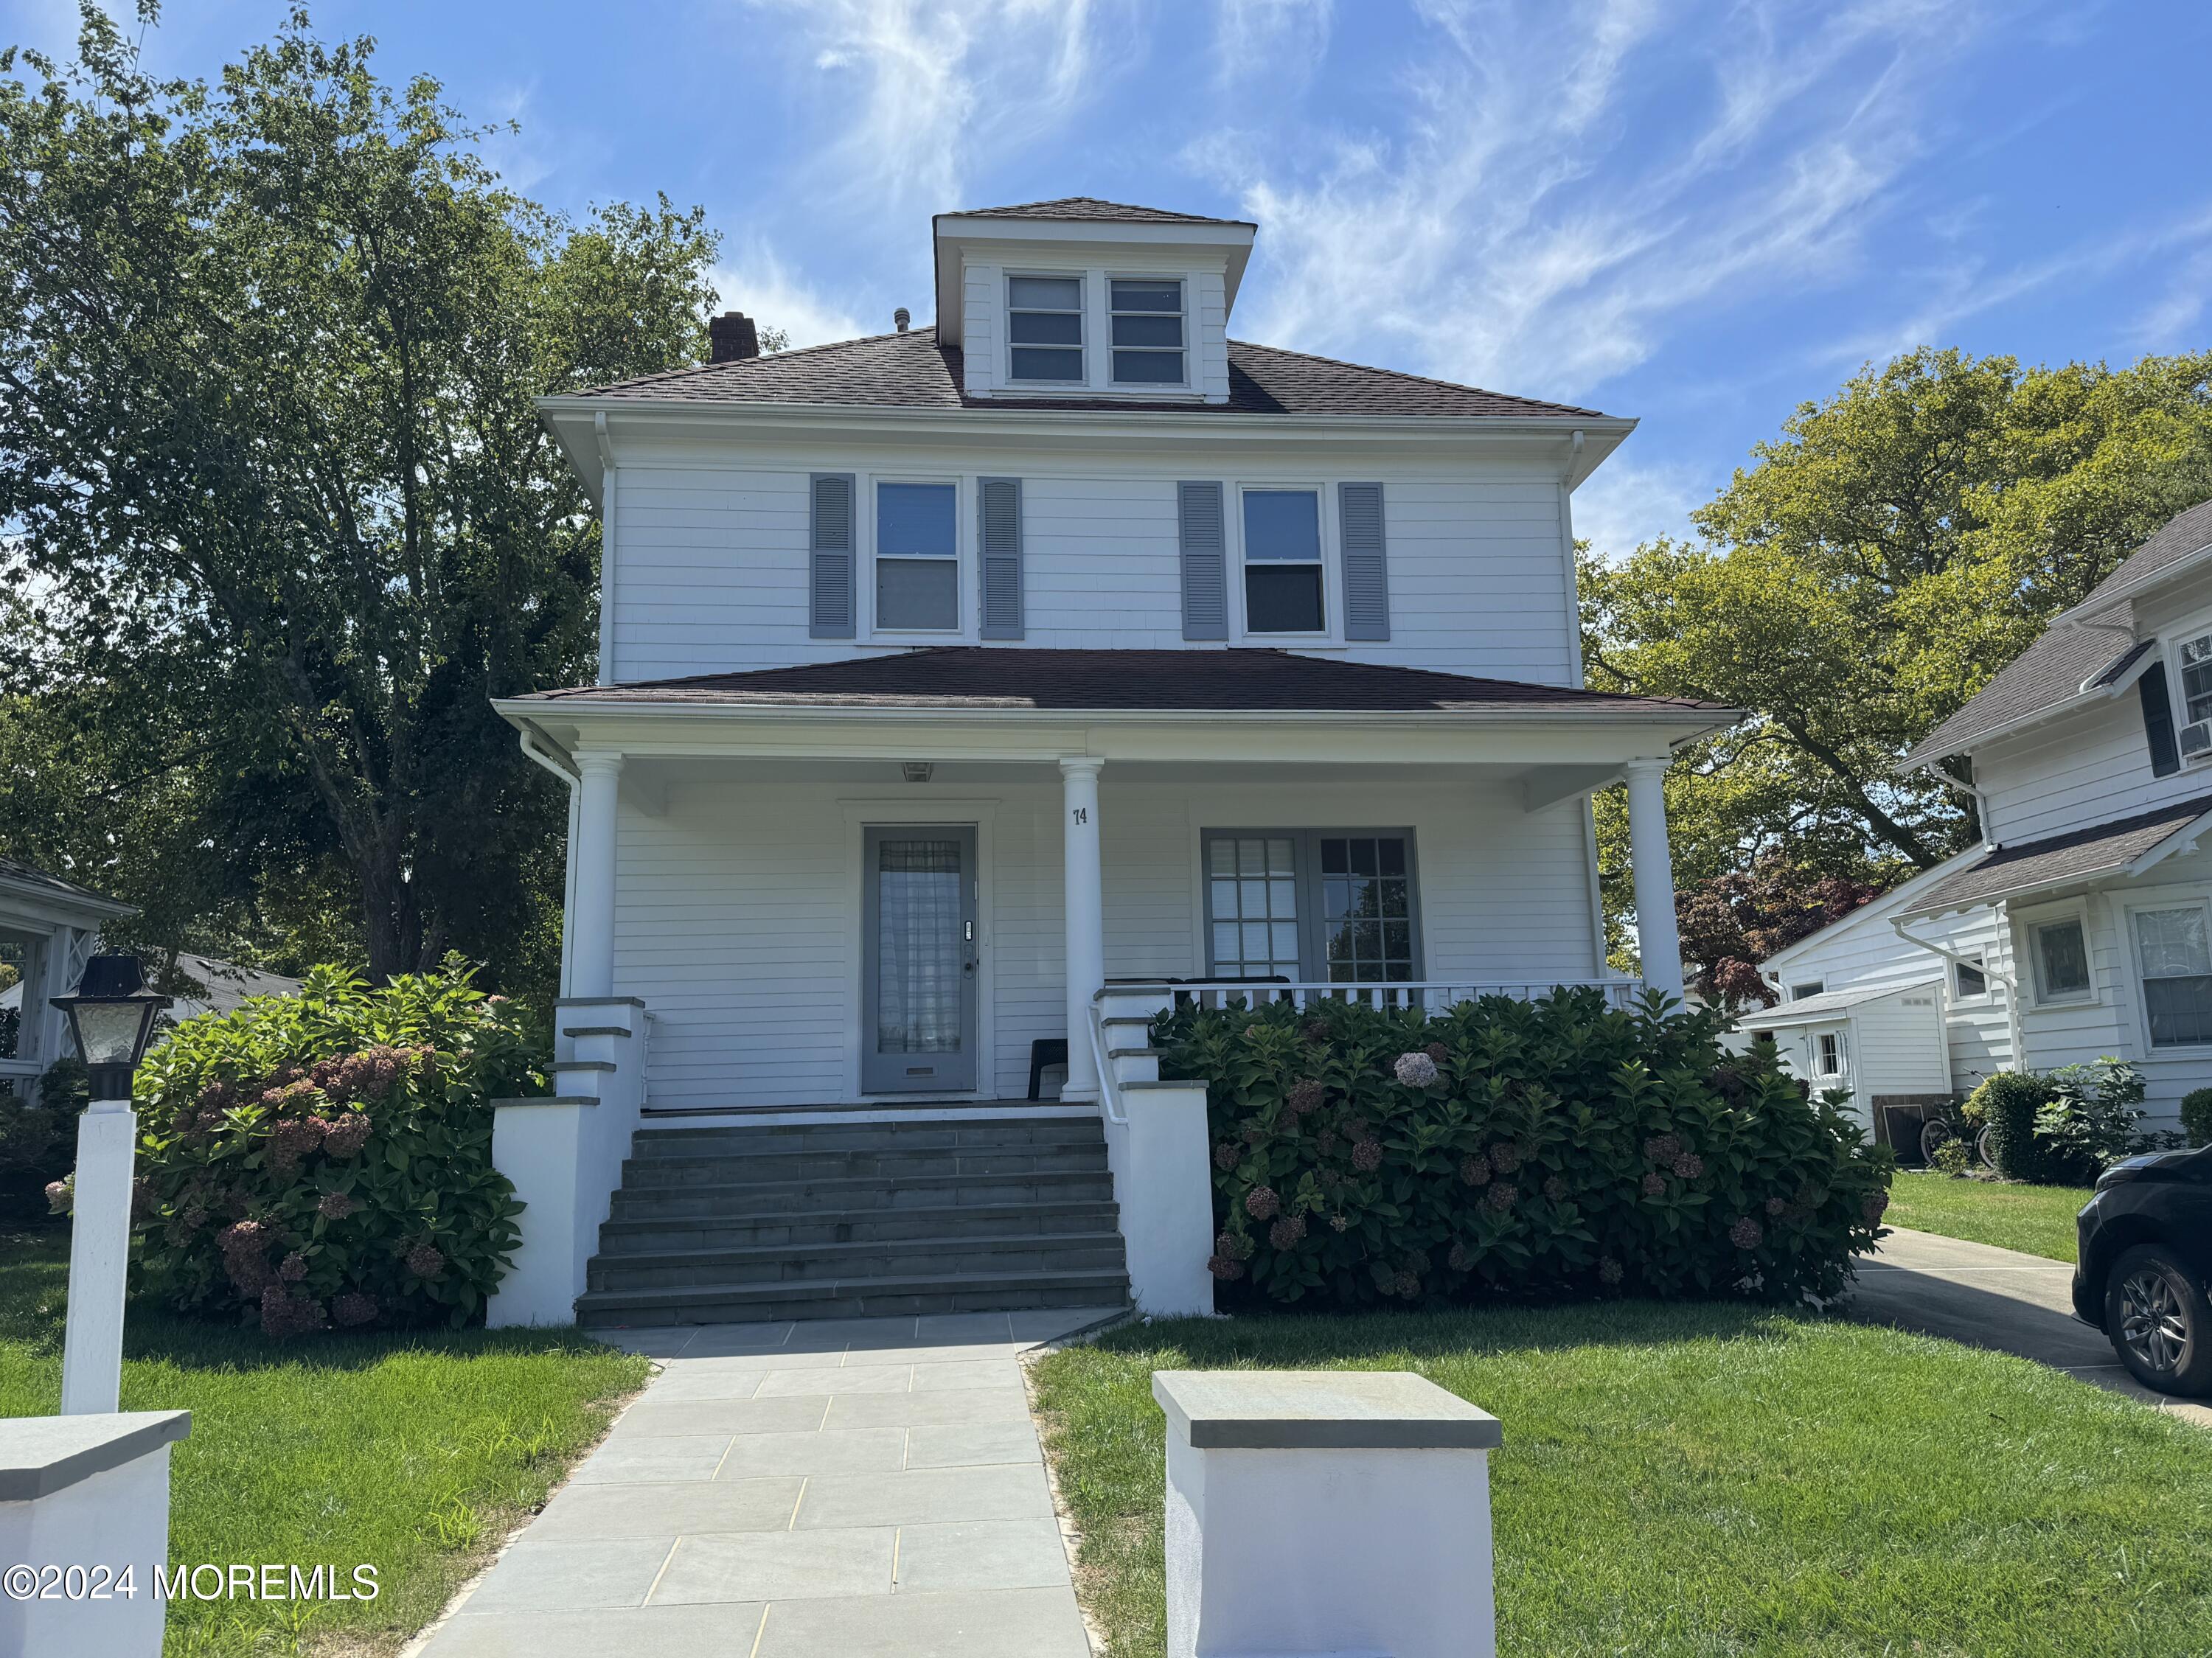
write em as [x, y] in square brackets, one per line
[111, 1016]
[916, 771]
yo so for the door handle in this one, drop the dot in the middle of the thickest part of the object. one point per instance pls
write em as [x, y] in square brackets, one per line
[968, 933]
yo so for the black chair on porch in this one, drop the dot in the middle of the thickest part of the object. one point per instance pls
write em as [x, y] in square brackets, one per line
[1047, 1051]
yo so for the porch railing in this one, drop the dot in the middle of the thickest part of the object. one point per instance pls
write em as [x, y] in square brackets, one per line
[1432, 995]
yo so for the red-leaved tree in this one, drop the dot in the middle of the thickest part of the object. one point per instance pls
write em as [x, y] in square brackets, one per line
[1732, 922]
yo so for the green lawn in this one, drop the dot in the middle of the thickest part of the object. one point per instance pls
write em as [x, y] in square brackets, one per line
[1718, 1480]
[415, 1452]
[2036, 1219]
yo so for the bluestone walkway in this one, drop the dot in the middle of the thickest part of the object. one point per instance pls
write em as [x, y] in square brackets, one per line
[2000, 1298]
[816, 1489]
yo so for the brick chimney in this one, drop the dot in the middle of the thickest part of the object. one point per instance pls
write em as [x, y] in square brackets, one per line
[731, 336]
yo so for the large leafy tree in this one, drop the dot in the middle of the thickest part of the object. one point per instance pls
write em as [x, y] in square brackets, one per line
[277, 493]
[1877, 563]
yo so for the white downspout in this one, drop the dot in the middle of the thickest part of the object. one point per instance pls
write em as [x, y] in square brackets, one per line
[1985, 966]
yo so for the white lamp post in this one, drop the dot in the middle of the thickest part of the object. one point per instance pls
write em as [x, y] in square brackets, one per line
[111, 1016]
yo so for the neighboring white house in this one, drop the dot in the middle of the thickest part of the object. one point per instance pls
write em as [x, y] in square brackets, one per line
[2091, 759]
[948, 675]
[1904, 1015]
[49, 928]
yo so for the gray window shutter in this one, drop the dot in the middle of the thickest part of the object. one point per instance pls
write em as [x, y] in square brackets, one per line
[830, 560]
[1366, 564]
[1000, 506]
[1205, 561]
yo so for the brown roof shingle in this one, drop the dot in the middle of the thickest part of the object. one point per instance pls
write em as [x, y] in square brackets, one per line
[912, 370]
[1015, 677]
[2057, 859]
[1089, 209]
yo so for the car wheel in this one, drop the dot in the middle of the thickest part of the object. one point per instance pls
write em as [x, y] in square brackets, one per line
[2159, 1320]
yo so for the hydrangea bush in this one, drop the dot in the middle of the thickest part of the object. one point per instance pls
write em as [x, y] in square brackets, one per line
[325, 1159]
[1509, 1148]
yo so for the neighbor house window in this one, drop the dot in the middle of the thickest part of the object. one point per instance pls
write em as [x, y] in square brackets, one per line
[2174, 956]
[1967, 979]
[1147, 322]
[1830, 1060]
[1282, 563]
[2196, 657]
[1311, 905]
[1811, 988]
[1044, 328]
[917, 557]
[2062, 960]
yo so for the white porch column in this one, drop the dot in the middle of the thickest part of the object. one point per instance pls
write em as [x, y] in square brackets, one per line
[1086, 919]
[591, 857]
[1653, 866]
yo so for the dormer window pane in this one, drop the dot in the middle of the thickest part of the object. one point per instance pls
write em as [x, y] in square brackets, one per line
[1044, 327]
[1148, 337]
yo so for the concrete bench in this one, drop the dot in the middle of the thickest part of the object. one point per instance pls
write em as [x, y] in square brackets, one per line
[1338, 1512]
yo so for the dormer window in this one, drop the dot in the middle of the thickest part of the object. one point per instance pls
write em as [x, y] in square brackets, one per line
[1148, 333]
[1044, 328]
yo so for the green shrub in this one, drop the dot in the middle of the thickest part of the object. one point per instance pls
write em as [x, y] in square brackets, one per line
[2197, 1116]
[1954, 1158]
[2007, 1101]
[326, 1157]
[38, 1143]
[2089, 1121]
[1558, 1147]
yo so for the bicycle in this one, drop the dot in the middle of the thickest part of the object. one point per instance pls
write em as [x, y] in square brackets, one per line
[1938, 1132]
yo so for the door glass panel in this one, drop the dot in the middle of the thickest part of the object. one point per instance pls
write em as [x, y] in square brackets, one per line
[1366, 914]
[919, 946]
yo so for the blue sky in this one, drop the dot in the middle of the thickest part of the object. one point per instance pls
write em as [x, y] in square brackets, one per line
[1700, 215]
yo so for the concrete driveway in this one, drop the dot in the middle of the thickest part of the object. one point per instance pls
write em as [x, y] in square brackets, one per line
[1999, 1298]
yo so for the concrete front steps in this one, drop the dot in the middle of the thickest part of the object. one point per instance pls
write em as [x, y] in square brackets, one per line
[846, 1219]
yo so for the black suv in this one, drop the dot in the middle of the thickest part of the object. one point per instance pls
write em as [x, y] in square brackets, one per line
[2145, 1260]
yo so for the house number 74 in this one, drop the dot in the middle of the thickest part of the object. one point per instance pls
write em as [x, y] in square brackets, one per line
[1082, 814]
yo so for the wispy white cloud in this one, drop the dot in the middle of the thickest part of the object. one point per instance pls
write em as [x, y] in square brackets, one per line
[1627, 502]
[918, 92]
[1274, 39]
[1538, 224]
[759, 283]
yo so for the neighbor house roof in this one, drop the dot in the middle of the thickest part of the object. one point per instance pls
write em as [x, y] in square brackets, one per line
[1091, 210]
[1015, 677]
[37, 883]
[1829, 1006]
[911, 370]
[2088, 649]
[226, 986]
[2125, 845]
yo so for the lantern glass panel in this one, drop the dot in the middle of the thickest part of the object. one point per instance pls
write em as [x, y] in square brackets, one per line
[107, 1032]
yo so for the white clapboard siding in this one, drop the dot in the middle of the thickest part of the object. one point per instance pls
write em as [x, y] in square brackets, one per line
[737, 910]
[2085, 769]
[710, 562]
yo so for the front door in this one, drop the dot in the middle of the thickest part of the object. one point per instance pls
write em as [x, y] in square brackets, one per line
[918, 993]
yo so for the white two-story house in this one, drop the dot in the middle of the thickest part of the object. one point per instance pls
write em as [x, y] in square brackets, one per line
[955, 680]
[2081, 927]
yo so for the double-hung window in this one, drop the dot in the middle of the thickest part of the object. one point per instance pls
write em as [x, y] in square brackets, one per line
[2061, 954]
[1830, 1059]
[1044, 329]
[2174, 955]
[1311, 905]
[2194, 656]
[1283, 584]
[917, 557]
[1147, 324]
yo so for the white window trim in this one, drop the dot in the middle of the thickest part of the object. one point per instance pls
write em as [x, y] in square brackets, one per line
[1843, 1052]
[1007, 277]
[1182, 279]
[1820, 988]
[2129, 911]
[1332, 619]
[2171, 638]
[961, 561]
[2027, 922]
[1980, 961]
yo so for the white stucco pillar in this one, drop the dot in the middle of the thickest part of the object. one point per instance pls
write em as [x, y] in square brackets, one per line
[1653, 866]
[591, 861]
[1086, 918]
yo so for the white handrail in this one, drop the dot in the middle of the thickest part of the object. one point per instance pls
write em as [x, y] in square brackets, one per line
[1109, 1085]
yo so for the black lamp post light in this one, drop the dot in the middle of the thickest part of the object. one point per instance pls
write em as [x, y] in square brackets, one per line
[112, 1017]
